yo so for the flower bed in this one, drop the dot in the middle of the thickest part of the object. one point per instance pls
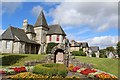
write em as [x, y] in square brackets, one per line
[14, 70]
[92, 73]
[32, 76]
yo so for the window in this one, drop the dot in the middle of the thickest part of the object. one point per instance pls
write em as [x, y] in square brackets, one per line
[7, 44]
[57, 38]
[50, 38]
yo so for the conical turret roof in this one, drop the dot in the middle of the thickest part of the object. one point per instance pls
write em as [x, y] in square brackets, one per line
[41, 21]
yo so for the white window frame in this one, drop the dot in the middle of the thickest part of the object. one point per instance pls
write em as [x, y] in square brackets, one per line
[7, 44]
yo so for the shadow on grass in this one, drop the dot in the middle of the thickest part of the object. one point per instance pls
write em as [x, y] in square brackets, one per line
[11, 59]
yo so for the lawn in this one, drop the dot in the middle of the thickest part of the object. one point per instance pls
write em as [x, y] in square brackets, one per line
[104, 64]
[18, 59]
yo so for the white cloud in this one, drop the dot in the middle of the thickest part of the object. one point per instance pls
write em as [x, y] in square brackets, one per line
[10, 7]
[98, 15]
[36, 10]
[103, 41]
[71, 37]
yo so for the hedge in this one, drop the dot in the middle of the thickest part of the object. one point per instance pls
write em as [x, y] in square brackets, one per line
[52, 69]
[78, 53]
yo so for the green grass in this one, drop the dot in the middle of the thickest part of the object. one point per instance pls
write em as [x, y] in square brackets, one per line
[18, 59]
[104, 64]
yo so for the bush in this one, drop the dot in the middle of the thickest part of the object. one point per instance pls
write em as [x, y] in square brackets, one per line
[82, 53]
[93, 55]
[78, 53]
[51, 69]
[103, 56]
[50, 47]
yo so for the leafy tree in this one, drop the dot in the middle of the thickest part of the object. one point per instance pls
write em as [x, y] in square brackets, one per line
[103, 53]
[110, 49]
[50, 47]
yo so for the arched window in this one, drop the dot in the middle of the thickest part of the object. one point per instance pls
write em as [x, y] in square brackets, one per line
[57, 39]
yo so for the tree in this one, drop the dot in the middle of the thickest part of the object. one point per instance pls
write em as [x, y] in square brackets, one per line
[50, 47]
[110, 49]
[118, 48]
[103, 53]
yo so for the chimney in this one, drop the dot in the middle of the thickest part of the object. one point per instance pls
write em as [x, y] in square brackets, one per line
[25, 23]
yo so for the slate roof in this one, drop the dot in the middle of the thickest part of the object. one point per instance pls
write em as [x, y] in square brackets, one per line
[16, 34]
[56, 29]
[81, 44]
[84, 44]
[94, 48]
[30, 29]
[41, 21]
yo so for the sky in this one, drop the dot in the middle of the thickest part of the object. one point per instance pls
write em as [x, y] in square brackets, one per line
[92, 22]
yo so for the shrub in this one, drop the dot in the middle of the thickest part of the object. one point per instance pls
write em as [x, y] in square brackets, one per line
[82, 53]
[51, 69]
[103, 56]
[50, 47]
[93, 55]
[76, 53]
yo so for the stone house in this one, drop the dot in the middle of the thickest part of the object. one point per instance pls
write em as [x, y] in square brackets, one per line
[76, 46]
[95, 50]
[31, 39]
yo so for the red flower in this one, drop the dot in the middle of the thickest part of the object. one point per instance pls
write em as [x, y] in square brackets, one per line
[87, 71]
[76, 68]
[23, 69]
[2, 72]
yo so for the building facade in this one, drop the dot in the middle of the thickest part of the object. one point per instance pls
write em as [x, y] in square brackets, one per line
[31, 39]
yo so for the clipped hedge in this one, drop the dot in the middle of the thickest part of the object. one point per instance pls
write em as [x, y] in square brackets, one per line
[51, 69]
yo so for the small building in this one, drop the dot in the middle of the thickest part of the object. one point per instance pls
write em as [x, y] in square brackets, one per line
[76, 46]
[94, 50]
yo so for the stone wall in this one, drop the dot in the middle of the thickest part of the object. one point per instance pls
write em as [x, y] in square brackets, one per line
[7, 46]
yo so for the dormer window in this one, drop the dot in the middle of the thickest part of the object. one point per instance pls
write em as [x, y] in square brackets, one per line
[57, 38]
[50, 38]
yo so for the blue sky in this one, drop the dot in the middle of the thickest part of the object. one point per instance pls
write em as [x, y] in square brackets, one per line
[92, 22]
